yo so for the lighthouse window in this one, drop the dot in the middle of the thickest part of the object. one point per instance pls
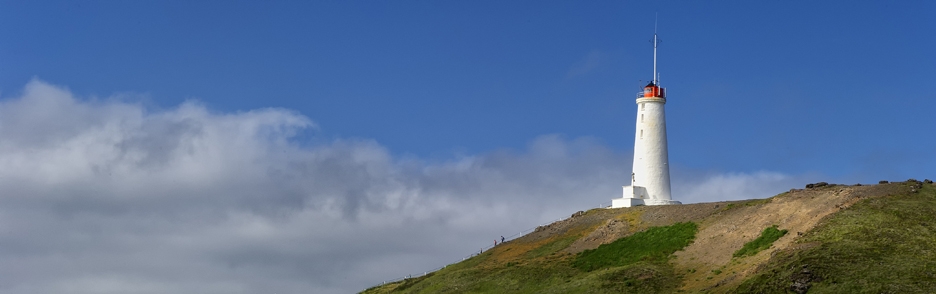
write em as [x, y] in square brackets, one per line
[642, 106]
[641, 134]
[641, 117]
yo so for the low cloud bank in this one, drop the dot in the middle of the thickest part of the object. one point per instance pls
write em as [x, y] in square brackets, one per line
[106, 196]
[734, 186]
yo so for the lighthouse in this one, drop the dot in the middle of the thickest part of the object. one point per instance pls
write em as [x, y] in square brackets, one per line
[650, 180]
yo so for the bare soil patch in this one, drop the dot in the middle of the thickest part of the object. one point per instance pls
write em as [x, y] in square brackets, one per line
[724, 227]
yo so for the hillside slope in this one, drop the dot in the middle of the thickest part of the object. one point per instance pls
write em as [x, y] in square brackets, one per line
[876, 238]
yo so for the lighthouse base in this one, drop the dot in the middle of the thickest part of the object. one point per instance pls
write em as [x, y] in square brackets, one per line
[637, 196]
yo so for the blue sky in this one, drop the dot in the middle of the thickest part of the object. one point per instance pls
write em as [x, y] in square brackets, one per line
[221, 122]
[780, 86]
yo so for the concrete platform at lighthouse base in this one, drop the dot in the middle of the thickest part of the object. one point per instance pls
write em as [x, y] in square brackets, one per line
[637, 196]
[631, 202]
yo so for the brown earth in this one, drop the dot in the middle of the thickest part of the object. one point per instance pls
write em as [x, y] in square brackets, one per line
[707, 264]
[724, 227]
[719, 236]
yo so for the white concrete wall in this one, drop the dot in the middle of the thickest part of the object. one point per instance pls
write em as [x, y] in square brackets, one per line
[651, 158]
[626, 202]
[635, 192]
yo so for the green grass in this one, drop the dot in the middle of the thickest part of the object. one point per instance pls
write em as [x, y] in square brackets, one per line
[759, 202]
[412, 281]
[878, 245]
[766, 239]
[551, 247]
[883, 244]
[640, 277]
[642, 267]
[653, 244]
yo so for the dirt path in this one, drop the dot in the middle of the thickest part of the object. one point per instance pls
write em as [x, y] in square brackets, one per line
[708, 264]
[724, 227]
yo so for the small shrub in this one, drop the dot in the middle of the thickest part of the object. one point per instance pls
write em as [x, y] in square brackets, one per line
[766, 239]
[756, 202]
[816, 185]
[883, 182]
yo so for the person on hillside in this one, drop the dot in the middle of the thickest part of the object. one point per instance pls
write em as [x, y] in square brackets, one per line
[502, 239]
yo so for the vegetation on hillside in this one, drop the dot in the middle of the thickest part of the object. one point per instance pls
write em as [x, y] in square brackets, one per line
[878, 245]
[638, 263]
[866, 239]
[767, 237]
[654, 245]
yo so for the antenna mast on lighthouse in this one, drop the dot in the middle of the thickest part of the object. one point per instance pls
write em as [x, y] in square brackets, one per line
[655, 41]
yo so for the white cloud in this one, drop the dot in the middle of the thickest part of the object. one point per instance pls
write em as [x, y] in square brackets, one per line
[104, 196]
[734, 186]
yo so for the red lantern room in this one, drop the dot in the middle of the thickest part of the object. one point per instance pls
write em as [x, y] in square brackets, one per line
[651, 90]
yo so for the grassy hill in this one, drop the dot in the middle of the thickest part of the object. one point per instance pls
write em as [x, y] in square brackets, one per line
[822, 239]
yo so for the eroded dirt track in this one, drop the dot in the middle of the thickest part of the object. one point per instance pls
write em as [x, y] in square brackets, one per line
[724, 227]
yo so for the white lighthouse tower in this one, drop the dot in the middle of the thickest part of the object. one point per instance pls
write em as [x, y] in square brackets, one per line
[650, 180]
